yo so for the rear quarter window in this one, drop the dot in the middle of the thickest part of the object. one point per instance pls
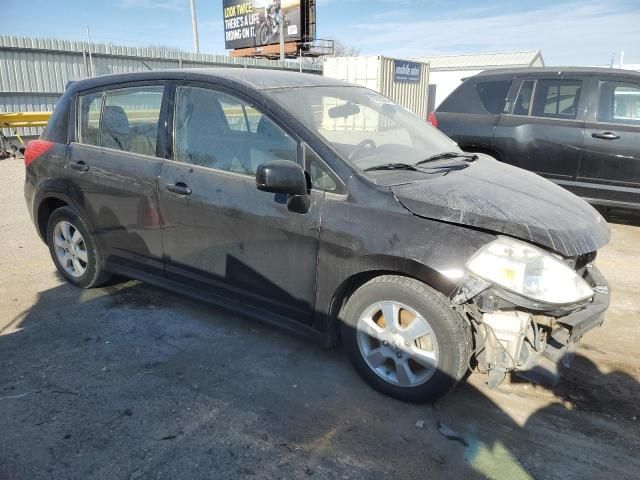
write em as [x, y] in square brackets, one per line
[478, 97]
[493, 95]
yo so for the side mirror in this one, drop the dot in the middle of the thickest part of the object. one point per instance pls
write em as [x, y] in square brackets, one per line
[281, 176]
[285, 176]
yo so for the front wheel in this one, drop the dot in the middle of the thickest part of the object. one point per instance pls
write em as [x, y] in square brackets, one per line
[404, 339]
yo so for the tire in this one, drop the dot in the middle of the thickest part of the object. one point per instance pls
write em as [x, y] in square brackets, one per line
[415, 301]
[91, 273]
[263, 35]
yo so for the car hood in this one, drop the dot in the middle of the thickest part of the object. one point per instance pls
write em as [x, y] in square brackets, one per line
[491, 195]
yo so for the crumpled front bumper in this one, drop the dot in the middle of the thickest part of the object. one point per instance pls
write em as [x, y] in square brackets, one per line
[592, 314]
[568, 331]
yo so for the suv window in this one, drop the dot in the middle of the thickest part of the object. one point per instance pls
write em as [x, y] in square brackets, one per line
[89, 106]
[494, 95]
[523, 101]
[217, 130]
[130, 118]
[556, 98]
[619, 102]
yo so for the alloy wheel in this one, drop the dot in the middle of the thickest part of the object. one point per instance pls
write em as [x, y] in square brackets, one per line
[70, 249]
[397, 343]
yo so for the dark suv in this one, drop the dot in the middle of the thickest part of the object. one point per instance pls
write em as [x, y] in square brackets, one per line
[322, 207]
[577, 127]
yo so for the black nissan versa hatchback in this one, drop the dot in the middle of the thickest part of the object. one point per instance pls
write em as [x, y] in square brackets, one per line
[578, 127]
[322, 207]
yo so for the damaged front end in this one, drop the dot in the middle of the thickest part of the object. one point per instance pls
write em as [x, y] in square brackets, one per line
[521, 322]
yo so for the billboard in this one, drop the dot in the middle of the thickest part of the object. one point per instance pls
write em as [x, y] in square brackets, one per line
[254, 23]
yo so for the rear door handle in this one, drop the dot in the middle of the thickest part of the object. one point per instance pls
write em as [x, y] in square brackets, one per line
[605, 135]
[80, 166]
[179, 188]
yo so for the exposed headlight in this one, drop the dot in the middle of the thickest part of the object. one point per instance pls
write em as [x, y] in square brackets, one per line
[529, 271]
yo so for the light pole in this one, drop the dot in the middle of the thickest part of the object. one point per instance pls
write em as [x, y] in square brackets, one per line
[194, 26]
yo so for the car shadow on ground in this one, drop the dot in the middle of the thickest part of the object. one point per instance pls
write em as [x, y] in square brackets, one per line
[130, 381]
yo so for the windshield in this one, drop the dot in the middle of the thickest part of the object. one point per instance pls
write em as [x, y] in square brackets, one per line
[364, 127]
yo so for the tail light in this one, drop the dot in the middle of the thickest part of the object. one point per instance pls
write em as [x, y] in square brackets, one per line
[432, 119]
[34, 149]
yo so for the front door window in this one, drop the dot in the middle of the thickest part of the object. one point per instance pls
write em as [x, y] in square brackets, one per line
[217, 130]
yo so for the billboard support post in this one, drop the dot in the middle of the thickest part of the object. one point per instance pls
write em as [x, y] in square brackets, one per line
[194, 27]
[281, 37]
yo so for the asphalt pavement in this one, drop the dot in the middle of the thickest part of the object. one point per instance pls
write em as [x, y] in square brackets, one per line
[129, 381]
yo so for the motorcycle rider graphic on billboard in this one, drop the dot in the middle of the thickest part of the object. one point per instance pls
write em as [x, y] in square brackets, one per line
[268, 29]
[255, 23]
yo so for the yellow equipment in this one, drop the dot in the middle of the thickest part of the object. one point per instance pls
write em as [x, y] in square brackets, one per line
[15, 120]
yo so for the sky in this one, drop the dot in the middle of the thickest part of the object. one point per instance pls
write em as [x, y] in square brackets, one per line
[568, 32]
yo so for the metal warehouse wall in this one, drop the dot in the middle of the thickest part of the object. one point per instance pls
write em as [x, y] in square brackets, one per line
[34, 71]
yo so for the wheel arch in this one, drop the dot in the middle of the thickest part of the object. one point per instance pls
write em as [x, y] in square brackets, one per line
[46, 207]
[379, 266]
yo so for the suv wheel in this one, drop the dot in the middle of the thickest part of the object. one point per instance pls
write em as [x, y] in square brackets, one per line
[73, 249]
[405, 340]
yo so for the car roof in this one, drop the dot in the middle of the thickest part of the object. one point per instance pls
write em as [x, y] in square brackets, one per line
[499, 72]
[256, 78]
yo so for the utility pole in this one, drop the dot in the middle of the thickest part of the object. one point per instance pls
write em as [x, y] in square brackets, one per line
[281, 35]
[91, 70]
[194, 26]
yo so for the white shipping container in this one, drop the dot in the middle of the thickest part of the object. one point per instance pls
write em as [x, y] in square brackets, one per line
[377, 73]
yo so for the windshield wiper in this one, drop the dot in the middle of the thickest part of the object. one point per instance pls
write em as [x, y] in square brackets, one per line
[391, 166]
[465, 156]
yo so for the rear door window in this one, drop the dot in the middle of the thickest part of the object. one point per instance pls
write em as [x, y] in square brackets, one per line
[494, 95]
[556, 98]
[619, 102]
[89, 107]
[130, 118]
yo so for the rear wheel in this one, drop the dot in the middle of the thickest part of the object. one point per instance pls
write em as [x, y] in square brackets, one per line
[404, 339]
[73, 249]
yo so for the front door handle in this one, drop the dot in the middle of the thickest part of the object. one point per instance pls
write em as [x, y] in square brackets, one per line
[605, 135]
[80, 166]
[179, 188]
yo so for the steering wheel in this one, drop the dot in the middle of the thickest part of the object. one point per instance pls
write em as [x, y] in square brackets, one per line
[364, 143]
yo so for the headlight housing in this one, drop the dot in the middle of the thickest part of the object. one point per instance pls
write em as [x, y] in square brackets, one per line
[529, 271]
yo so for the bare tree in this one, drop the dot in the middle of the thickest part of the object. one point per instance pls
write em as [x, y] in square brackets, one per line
[342, 50]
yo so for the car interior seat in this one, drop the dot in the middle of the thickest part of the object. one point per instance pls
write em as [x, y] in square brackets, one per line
[115, 131]
[203, 132]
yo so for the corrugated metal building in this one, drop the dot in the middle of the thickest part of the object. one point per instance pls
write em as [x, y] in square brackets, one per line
[446, 72]
[34, 71]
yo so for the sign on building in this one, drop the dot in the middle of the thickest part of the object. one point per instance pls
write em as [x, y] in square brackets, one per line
[404, 71]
